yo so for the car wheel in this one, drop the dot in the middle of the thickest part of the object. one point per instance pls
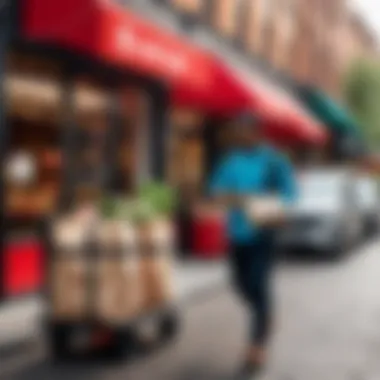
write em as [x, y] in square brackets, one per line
[342, 244]
[373, 227]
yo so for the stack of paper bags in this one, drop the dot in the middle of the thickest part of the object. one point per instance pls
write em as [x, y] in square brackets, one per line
[69, 270]
[118, 290]
[156, 246]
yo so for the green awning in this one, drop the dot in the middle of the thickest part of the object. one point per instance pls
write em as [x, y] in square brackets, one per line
[332, 115]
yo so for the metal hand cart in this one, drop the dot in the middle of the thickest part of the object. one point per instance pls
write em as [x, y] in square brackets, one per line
[94, 338]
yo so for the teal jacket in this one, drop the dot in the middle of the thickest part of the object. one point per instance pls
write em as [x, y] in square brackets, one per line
[255, 171]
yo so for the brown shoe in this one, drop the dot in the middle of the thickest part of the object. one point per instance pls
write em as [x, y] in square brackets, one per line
[249, 371]
[257, 356]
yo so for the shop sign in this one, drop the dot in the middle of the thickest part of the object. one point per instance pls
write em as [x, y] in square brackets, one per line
[149, 52]
[109, 31]
[128, 39]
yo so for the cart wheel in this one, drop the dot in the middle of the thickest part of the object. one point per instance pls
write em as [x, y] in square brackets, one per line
[125, 343]
[57, 339]
[168, 327]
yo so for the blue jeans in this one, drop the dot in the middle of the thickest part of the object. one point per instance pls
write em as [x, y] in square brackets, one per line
[251, 267]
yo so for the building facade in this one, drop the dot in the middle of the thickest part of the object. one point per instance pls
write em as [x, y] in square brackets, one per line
[311, 41]
[358, 41]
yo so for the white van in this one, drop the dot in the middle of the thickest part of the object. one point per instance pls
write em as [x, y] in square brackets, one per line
[369, 203]
[326, 217]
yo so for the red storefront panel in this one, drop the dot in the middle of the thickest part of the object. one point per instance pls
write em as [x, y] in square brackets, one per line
[23, 267]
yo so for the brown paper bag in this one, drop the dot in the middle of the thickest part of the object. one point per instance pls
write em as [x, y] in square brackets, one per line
[117, 273]
[69, 270]
[156, 244]
[118, 297]
[69, 289]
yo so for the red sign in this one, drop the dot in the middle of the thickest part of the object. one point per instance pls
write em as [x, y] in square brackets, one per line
[127, 39]
[23, 267]
[118, 36]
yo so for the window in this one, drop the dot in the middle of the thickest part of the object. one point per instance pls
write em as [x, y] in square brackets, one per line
[243, 15]
[33, 161]
[91, 103]
[189, 6]
[210, 9]
[226, 17]
[252, 29]
[186, 152]
[267, 10]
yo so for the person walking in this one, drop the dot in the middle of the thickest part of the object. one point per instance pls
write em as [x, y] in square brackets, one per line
[250, 170]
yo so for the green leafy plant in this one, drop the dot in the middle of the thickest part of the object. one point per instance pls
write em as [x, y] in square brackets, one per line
[108, 206]
[153, 200]
[160, 196]
[362, 95]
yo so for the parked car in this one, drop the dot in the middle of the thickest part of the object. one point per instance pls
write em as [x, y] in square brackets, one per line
[325, 217]
[369, 203]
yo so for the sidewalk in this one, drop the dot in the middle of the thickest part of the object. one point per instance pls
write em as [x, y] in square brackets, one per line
[196, 278]
[20, 319]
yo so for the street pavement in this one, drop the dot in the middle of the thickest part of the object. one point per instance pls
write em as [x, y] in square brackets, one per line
[327, 328]
[20, 319]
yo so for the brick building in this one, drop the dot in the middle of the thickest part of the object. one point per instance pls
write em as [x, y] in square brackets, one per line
[308, 40]
[358, 41]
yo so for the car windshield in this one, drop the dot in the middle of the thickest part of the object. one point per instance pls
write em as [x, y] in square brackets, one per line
[367, 191]
[320, 189]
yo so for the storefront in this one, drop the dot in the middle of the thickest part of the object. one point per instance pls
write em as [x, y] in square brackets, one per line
[206, 113]
[202, 133]
[86, 98]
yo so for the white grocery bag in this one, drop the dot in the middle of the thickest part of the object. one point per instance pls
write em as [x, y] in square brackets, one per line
[265, 211]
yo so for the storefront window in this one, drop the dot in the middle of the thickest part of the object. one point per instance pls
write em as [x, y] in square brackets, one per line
[33, 164]
[91, 102]
[185, 163]
[133, 142]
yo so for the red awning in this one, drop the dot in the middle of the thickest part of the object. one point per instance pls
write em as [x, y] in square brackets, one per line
[286, 119]
[118, 36]
[112, 33]
[230, 91]
[224, 96]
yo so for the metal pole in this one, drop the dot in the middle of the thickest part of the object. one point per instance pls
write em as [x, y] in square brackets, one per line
[158, 133]
[5, 38]
[68, 137]
[113, 181]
